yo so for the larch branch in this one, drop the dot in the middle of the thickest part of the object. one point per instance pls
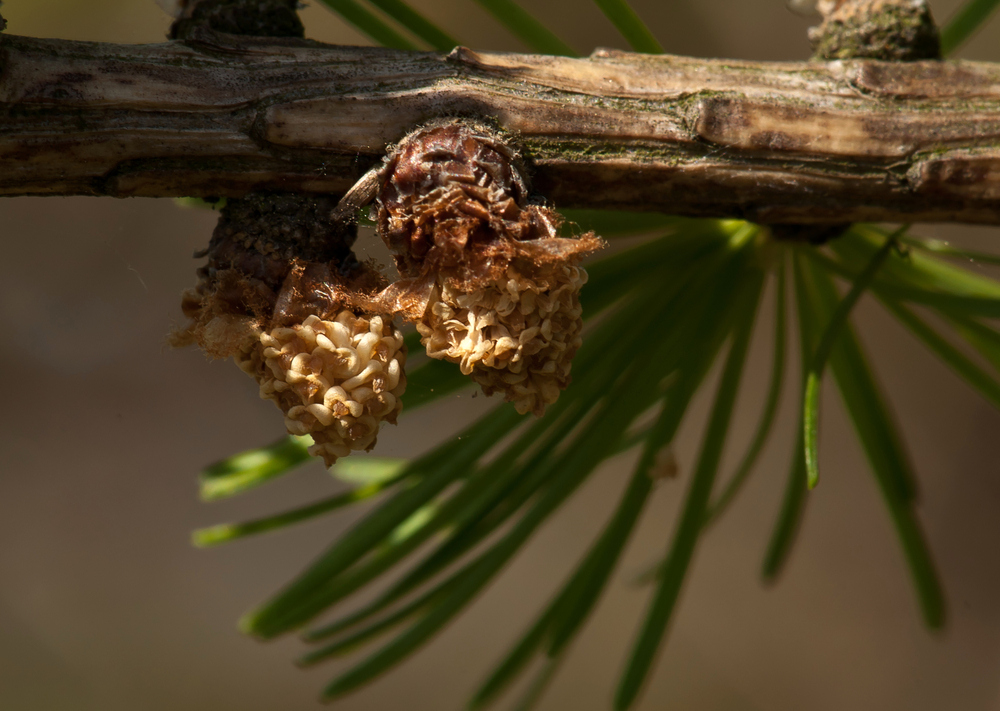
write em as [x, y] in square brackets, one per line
[219, 115]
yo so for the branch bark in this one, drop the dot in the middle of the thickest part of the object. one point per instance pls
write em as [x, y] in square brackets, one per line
[218, 115]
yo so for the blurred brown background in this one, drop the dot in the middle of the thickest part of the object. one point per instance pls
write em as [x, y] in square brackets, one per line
[105, 606]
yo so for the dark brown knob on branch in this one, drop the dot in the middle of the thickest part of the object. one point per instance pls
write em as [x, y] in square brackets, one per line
[891, 30]
[257, 18]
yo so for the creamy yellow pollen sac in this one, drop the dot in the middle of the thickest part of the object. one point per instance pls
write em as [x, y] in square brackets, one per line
[512, 336]
[334, 380]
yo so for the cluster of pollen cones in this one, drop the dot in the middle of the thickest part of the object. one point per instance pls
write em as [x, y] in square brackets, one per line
[483, 274]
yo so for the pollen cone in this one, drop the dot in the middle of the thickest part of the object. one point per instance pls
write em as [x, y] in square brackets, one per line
[283, 296]
[498, 289]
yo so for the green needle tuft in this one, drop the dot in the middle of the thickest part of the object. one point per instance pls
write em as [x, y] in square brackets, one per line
[810, 409]
[369, 24]
[633, 29]
[526, 28]
[965, 22]
[416, 23]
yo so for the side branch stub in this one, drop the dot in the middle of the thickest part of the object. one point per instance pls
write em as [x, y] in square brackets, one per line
[219, 115]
